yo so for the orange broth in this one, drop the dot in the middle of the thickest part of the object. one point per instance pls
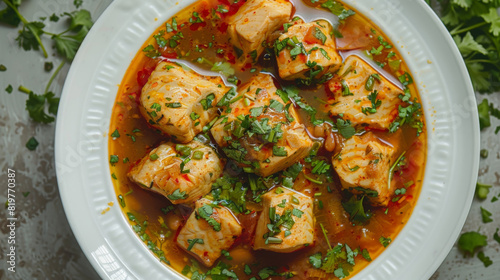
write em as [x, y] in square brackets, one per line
[136, 137]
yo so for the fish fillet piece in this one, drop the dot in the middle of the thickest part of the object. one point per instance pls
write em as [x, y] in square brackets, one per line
[363, 167]
[254, 22]
[180, 102]
[364, 96]
[181, 173]
[307, 51]
[206, 239]
[261, 131]
[295, 223]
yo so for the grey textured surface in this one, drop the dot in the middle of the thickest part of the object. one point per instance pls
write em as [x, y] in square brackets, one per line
[45, 245]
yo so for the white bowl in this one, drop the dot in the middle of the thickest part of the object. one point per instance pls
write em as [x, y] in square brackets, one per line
[89, 94]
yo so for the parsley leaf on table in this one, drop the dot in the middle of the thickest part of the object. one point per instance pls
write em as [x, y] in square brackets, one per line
[9, 15]
[35, 105]
[470, 241]
[486, 215]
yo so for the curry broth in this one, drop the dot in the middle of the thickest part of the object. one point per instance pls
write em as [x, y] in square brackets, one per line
[136, 137]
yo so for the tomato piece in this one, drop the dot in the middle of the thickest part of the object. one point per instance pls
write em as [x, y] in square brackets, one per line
[143, 76]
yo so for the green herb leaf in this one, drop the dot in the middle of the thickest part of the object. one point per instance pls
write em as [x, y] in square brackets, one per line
[177, 194]
[385, 241]
[482, 190]
[316, 260]
[485, 259]
[345, 128]
[32, 144]
[470, 241]
[356, 210]
[486, 215]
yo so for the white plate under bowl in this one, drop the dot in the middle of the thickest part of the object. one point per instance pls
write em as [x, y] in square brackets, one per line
[89, 93]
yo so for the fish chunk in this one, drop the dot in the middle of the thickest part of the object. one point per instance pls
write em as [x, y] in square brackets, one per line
[209, 230]
[181, 173]
[254, 22]
[306, 48]
[363, 95]
[180, 102]
[261, 132]
[293, 230]
[363, 167]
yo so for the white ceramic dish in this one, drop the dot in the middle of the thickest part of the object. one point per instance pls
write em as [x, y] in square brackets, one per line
[91, 86]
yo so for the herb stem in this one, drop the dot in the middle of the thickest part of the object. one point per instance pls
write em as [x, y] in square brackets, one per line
[456, 32]
[27, 25]
[313, 180]
[326, 237]
[481, 61]
[391, 171]
[54, 75]
[24, 89]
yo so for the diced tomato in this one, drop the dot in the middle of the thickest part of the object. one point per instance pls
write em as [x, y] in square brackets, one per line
[143, 76]
[168, 54]
[196, 26]
[222, 27]
[204, 13]
[186, 177]
[231, 58]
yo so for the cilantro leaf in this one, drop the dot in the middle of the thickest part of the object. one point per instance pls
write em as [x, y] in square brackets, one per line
[356, 210]
[486, 216]
[475, 27]
[293, 171]
[470, 241]
[468, 45]
[29, 35]
[32, 144]
[66, 46]
[225, 100]
[496, 236]
[68, 42]
[206, 212]
[485, 259]
[315, 260]
[493, 18]
[345, 128]
[35, 105]
[9, 16]
[484, 114]
[177, 194]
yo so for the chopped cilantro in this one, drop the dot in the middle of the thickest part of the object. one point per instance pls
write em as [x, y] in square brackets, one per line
[486, 215]
[385, 241]
[115, 134]
[482, 190]
[177, 194]
[470, 241]
[113, 159]
[345, 128]
[32, 144]
[206, 212]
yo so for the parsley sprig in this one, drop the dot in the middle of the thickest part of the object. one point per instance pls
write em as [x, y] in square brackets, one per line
[475, 27]
[30, 36]
[42, 108]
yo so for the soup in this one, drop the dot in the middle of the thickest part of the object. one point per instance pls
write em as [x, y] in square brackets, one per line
[302, 156]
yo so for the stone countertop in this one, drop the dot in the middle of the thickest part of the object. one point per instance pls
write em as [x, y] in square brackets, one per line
[45, 245]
